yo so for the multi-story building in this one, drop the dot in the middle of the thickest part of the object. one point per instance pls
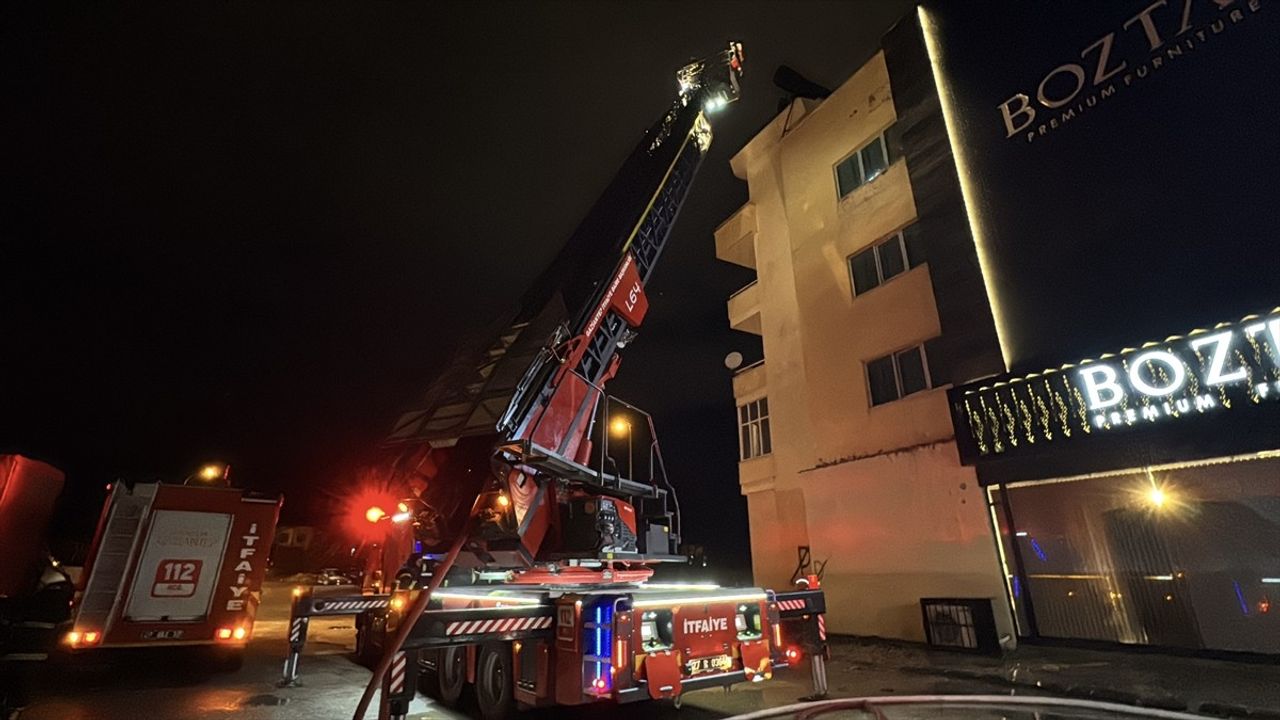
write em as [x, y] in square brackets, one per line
[869, 300]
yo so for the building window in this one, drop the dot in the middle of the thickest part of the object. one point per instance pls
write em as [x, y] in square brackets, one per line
[898, 375]
[753, 426]
[863, 166]
[878, 263]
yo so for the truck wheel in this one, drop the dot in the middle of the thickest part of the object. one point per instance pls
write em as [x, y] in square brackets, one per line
[448, 681]
[494, 684]
[367, 651]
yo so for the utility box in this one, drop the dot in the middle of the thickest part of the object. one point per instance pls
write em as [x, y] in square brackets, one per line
[966, 624]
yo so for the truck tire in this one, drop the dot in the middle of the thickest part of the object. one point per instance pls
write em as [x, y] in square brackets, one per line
[368, 651]
[448, 681]
[495, 687]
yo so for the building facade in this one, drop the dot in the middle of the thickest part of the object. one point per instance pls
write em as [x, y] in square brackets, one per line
[869, 300]
[940, 242]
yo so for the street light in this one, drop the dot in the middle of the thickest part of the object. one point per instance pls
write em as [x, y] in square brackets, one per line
[619, 426]
[208, 473]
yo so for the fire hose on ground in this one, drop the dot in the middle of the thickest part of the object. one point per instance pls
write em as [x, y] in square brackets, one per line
[414, 613]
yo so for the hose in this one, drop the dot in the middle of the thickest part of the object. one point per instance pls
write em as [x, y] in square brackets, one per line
[414, 613]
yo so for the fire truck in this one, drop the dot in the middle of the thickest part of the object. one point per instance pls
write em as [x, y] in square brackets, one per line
[175, 565]
[168, 565]
[530, 549]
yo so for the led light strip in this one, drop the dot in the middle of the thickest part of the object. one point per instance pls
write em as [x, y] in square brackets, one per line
[971, 203]
[700, 600]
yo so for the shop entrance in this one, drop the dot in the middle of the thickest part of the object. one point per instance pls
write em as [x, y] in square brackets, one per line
[1184, 556]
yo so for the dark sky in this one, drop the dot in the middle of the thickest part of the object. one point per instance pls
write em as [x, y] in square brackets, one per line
[251, 232]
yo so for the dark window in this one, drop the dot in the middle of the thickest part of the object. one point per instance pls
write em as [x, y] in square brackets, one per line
[897, 375]
[879, 263]
[865, 275]
[873, 159]
[863, 166]
[911, 371]
[848, 175]
[884, 385]
[892, 261]
[753, 423]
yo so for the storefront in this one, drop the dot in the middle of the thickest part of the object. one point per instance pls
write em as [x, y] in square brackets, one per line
[1136, 496]
[1118, 174]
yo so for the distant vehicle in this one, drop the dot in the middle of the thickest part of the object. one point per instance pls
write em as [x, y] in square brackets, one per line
[169, 565]
[332, 576]
[174, 565]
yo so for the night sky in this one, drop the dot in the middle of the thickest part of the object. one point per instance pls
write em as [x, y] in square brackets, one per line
[251, 232]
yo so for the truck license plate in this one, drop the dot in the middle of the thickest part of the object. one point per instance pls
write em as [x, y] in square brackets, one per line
[719, 663]
[162, 635]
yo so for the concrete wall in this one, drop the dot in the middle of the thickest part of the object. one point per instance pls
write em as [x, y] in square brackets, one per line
[895, 528]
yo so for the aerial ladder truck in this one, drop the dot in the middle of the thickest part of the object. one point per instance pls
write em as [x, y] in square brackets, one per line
[530, 583]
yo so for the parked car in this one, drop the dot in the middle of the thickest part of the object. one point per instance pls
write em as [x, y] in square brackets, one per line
[332, 576]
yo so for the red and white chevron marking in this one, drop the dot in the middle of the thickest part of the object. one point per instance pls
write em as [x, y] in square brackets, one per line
[398, 666]
[498, 625]
[822, 627]
[349, 605]
[793, 604]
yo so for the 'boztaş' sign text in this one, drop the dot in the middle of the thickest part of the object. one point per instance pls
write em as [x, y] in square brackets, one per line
[1205, 371]
[1159, 34]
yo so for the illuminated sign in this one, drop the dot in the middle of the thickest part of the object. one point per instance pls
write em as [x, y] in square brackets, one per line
[1206, 371]
[1160, 34]
[705, 625]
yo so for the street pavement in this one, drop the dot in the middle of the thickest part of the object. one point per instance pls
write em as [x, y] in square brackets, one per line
[1132, 677]
[162, 684]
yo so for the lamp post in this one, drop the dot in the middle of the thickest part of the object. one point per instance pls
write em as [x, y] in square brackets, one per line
[209, 473]
[619, 426]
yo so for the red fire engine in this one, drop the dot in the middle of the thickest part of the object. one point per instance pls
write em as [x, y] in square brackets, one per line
[174, 565]
[168, 565]
[533, 547]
